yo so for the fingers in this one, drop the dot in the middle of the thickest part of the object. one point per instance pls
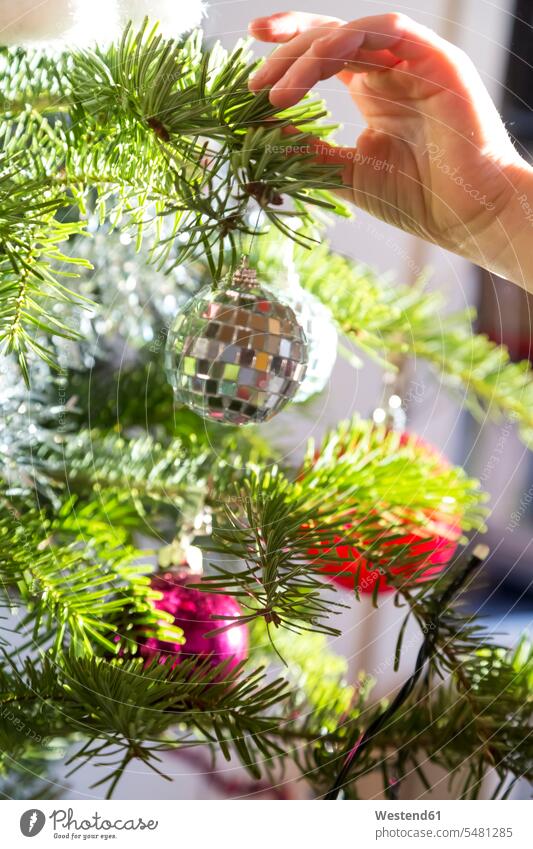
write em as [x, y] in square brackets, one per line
[311, 56]
[397, 33]
[283, 26]
[314, 57]
[282, 58]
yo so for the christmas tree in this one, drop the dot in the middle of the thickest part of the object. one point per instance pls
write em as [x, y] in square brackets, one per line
[135, 177]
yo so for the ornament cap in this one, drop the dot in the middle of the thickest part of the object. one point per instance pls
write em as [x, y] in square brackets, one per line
[244, 275]
[180, 556]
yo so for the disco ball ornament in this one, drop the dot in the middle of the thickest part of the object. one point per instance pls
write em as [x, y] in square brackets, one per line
[321, 334]
[236, 354]
[197, 613]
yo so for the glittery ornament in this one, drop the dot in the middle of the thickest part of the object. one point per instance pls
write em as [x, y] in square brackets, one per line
[432, 547]
[26, 423]
[236, 354]
[132, 301]
[133, 295]
[321, 334]
[197, 614]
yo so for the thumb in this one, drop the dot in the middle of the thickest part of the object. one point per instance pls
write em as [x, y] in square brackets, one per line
[325, 153]
[365, 170]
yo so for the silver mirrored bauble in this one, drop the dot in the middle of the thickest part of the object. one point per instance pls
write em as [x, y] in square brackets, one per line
[236, 354]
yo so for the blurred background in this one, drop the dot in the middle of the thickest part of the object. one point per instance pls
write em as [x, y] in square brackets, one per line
[498, 35]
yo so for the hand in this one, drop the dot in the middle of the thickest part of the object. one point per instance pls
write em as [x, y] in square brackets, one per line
[435, 158]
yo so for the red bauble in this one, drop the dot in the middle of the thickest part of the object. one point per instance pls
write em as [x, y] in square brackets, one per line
[197, 614]
[438, 550]
[434, 548]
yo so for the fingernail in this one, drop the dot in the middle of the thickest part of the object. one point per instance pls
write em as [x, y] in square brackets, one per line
[253, 80]
[276, 95]
[271, 25]
[257, 24]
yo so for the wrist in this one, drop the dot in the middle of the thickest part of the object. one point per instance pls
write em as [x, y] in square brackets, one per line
[507, 246]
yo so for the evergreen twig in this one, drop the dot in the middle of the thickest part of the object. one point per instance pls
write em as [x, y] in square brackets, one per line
[356, 746]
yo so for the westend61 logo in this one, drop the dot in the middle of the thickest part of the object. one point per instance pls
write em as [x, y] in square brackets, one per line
[66, 825]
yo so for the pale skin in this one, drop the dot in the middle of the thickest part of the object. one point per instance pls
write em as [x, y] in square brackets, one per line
[451, 174]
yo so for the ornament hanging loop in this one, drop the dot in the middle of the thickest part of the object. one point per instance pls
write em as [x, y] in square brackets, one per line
[244, 275]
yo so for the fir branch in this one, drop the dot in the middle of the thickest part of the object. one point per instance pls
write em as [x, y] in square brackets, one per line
[78, 592]
[208, 139]
[123, 716]
[126, 711]
[30, 238]
[366, 464]
[152, 131]
[141, 469]
[428, 647]
[32, 77]
[274, 582]
[151, 478]
[410, 321]
[474, 722]
[469, 731]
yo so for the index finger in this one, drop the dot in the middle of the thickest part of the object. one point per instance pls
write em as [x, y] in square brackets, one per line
[296, 32]
[283, 26]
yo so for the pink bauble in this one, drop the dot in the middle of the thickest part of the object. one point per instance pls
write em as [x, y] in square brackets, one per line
[196, 613]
